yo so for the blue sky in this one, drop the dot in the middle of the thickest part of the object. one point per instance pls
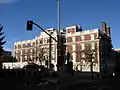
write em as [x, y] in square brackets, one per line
[87, 13]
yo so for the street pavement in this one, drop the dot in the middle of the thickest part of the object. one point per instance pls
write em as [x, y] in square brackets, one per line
[104, 84]
[66, 80]
[63, 81]
[79, 81]
[82, 81]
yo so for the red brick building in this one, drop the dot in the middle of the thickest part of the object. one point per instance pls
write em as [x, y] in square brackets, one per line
[96, 40]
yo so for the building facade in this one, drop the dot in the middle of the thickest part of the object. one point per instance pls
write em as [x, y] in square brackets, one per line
[37, 50]
[83, 43]
[89, 49]
[77, 41]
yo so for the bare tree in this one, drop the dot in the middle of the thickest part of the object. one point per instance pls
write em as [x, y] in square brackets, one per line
[27, 53]
[90, 56]
[41, 54]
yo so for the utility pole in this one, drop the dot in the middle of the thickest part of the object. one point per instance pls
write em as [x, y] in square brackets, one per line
[50, 50]
[58, 15]
[59, 38]
[58, 45]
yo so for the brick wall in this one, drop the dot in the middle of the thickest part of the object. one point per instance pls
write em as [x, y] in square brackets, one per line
[78, 54]
[95, 36]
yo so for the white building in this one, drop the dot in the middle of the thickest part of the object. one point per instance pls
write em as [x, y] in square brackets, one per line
[39, 47]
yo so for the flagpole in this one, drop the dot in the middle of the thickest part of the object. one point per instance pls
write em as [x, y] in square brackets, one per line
[59, 42]
[58, 34]
[58, 15]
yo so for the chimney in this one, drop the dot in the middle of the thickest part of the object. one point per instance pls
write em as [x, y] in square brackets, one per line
[104, 27]
[78, 28]
[108, 31]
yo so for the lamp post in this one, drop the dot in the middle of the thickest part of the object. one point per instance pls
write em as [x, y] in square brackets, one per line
[50, 50]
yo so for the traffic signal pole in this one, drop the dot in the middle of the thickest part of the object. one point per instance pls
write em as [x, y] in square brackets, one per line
[59, 16]
[45, 31]
[59, 39]
[50, 44]
[58, 45]
[30, 26]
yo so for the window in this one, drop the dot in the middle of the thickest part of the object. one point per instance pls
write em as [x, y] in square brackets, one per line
[92, 36]
[78, 38]
[32, 43]
[24, 45]
[26, 50]
[74, 56]
[31, 56]
[52, 49]
[82, 37]
[41, 41]
[25, 57]
[29, 44]
[53, 56]
[69, 39]
[71, 56]
[71, 30]
[82, 46]
[92, 45]
[21, 52]
[47, 40]
[73, 46]
[83, 54]
[20, 59]
[19, 46]
[31, 50]
[73, 39]
[83, 61]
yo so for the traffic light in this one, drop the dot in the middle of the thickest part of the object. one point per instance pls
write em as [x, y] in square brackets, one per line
[29, 25]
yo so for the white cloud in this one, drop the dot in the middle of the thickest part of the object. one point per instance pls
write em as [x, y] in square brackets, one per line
[8, 1]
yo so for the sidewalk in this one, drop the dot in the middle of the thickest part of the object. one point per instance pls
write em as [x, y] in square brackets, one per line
[65, 80]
